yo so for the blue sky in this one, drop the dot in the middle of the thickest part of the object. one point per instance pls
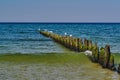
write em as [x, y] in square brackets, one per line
[59, 10]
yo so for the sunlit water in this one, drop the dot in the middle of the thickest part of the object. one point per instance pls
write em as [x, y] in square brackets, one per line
[25, 38]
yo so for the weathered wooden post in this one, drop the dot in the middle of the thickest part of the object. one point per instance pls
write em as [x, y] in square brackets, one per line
[85, 44]
[107, 55]
[80, 45]
[118, 68]
[111, 63]
[62, 40]
[101, 55]
[95, 53]
[66, 42]
[74, 42]
[70, 42]
[90, 45]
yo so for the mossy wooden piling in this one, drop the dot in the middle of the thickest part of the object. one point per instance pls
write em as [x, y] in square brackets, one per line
[102, 56]
[118, 68]
[95, 53]
[107, 55]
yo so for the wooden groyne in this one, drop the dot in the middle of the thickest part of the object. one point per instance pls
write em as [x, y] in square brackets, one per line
[101, 55]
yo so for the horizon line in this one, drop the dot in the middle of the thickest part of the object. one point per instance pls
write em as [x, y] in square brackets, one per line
[60, 22]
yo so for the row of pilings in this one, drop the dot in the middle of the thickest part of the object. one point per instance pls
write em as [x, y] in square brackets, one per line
[101, 55]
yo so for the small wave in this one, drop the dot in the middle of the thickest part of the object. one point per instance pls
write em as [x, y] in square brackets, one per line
[22, 32]
[25, 39]
[34, 39]
[2, 46]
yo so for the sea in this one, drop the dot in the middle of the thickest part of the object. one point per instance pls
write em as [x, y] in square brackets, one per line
[25, 38]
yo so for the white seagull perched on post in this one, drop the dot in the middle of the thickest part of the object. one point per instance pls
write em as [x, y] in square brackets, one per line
[87, 52]
[51, 31]
[39, 29]
[70, 35]
[45, 29]
[65, 33]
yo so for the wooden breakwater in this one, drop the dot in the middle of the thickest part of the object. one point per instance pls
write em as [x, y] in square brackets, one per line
[101, 55]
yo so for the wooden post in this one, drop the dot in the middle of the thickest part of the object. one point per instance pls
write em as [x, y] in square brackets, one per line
[95, 53]
[78, 44]
[71, 43]
[111, 63]
[101, 55]
[118, 68]
[107, 54]
[90, 45]
[74, 44]
[85, 44]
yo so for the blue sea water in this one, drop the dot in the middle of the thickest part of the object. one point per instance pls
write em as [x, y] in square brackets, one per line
[25, 38]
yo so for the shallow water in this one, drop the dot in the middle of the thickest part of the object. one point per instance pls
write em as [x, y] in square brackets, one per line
[41, 71]
[24, 38]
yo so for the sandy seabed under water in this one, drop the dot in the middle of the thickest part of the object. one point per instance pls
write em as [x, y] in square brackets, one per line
[56, 71]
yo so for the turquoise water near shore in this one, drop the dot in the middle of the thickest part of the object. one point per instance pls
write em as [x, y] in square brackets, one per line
[25, 38]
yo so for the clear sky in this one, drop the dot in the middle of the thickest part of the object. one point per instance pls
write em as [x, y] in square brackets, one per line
[59, 10]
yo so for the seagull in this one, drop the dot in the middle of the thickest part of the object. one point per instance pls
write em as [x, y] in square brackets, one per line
[39, 29]
[45, 29]
[65, 33]
[51, 31]
[87, 52]
[70, 35]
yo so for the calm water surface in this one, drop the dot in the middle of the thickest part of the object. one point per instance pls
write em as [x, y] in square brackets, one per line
[25, 38]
